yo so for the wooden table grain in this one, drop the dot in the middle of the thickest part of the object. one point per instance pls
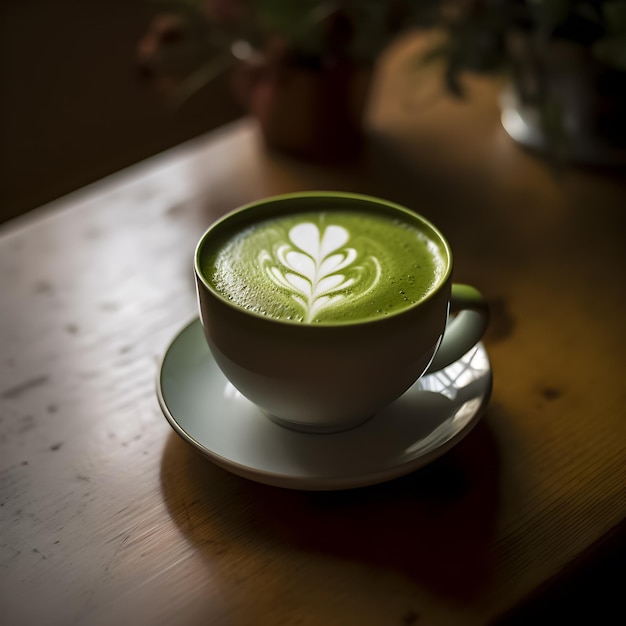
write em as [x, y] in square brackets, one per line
[106, 515]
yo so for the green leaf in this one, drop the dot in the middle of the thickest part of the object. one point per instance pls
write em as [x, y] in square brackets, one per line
[615, 15]
[612, 51]
[548, 14]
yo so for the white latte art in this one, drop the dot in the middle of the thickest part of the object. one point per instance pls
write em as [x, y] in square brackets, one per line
[311, 267]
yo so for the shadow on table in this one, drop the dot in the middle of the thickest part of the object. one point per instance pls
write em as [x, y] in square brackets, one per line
[434, 525]
[590, 591]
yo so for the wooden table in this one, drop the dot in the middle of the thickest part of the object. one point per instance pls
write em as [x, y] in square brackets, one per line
[107, 516]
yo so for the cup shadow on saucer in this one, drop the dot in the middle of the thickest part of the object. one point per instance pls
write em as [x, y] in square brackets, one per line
[434, 525]
[378, 447]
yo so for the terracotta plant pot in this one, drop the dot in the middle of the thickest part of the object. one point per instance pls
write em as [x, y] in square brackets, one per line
[305, 108]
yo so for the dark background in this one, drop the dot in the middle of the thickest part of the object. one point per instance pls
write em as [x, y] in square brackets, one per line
[74, 105]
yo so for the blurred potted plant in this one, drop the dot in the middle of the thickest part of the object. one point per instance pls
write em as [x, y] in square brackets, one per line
[566, 61]
[303, 67]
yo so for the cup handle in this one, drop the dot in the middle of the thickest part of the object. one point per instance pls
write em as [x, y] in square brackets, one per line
[463, 331]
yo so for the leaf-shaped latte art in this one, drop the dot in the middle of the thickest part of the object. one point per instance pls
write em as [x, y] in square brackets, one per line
[318, 270]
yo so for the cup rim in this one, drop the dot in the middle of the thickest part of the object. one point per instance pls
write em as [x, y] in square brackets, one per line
[372, 200]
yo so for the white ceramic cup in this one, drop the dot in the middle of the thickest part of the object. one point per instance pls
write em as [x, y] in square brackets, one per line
[331, 377]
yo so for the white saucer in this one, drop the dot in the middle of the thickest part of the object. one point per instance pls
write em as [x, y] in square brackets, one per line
[208, 412]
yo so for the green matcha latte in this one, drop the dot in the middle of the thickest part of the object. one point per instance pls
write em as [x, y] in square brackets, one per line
[324, 266]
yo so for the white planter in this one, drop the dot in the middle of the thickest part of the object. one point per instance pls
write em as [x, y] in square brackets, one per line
[591, 106]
